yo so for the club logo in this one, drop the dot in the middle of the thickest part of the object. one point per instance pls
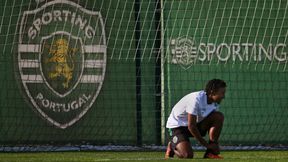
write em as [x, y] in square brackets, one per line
[186, 51]
[61, 60]
[175, 139]
[183, 52]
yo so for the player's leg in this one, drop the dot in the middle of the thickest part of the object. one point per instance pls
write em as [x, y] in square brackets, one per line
[213, 123]
[217, 120]
[180, 144]
[169, 151]
[184, 150]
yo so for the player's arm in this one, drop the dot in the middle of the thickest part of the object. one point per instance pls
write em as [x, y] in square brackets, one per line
[192, 126]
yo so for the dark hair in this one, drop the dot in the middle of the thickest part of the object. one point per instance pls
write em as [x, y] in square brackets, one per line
[214, 85]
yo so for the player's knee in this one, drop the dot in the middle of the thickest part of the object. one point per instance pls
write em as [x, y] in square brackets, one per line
[187, 155]
[219, 116]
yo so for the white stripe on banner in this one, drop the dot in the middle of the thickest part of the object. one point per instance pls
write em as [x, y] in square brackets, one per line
[95, 48]
[29, 48]
[93, 63]
[25, 63]
[32, 78]
[29, 63]
[37, 48]
[39, 79]
[91, 79]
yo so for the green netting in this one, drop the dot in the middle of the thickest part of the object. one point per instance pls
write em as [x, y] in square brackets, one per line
[241, 42]
[132, 61]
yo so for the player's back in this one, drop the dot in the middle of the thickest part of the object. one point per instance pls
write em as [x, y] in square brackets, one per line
[178, 116]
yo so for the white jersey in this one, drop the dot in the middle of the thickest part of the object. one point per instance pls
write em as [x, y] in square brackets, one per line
[194, 103]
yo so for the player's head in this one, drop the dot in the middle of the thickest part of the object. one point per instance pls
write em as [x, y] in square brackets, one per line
[215, 89]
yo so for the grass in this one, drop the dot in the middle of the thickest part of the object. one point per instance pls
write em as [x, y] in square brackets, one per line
[138, 156]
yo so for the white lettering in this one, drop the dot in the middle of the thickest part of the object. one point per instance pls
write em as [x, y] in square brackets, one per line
[62, 107]
[57, 15]
[234, 51]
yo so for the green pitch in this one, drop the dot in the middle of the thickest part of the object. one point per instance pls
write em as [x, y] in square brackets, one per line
[138, 156]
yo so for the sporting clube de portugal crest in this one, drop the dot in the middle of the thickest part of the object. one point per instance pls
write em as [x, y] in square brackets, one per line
[61, 60]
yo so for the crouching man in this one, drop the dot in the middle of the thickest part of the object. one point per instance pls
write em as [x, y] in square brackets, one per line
[193, 116]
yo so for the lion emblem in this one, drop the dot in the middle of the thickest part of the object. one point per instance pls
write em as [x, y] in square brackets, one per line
[60, 55]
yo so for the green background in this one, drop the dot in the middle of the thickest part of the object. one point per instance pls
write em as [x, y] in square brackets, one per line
[255, 107]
